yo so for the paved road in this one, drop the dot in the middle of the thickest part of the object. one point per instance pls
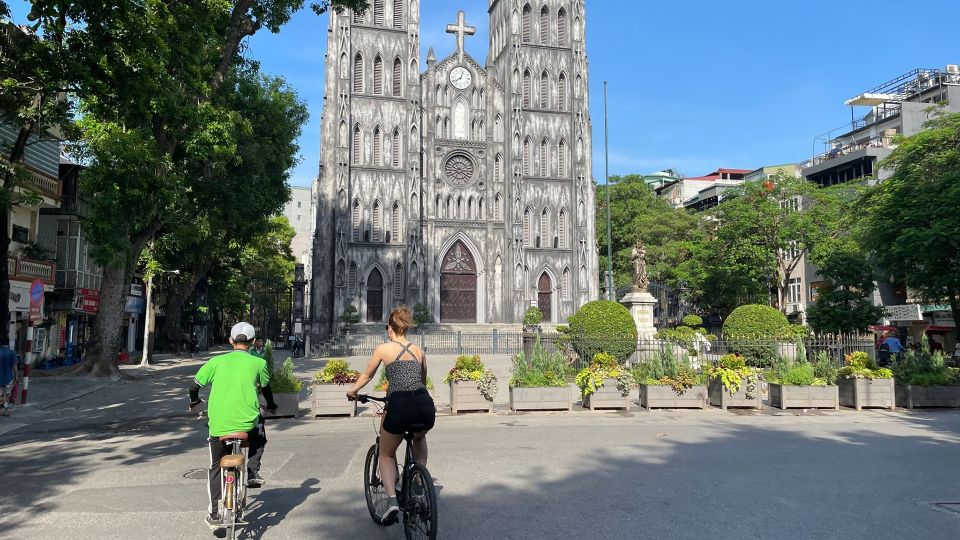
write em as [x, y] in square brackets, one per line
[112, 465]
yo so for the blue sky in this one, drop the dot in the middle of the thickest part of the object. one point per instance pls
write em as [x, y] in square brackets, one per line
[693, 84]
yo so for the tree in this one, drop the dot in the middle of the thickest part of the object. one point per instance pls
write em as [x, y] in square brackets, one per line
[912, 219]
[636, 212]
[844, 302]
[147, 74]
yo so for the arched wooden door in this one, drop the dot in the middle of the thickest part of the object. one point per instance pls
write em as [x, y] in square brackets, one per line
[375, 296]
[458, 286]
[545, 297]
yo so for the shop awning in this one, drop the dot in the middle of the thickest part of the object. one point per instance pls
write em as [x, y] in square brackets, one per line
[882, 328]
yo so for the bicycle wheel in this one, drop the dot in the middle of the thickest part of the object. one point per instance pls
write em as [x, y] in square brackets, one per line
[228, 521]
[372, 486]
[420, 510]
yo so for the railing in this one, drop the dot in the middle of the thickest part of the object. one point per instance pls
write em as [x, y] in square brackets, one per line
[29, 270]
[45, 185]
[876, 142]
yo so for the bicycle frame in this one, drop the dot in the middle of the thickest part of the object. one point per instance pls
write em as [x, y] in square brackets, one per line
[233, 485]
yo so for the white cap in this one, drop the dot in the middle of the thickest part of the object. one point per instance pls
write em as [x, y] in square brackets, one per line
[244, 330]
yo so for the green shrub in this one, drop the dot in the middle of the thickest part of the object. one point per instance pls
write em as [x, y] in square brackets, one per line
[604, 366]
[336, 372]
[732, 372]
[692, 321]
[421, 315]
[825, 369]
[859, 365]
[754, 321]
[799, 375]
[668, 369]
[533, 316]
[603, 326]
[283, 381]
[542, 369]
[350, 315]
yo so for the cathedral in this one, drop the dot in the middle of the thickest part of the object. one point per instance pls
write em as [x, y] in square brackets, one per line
[465, 187]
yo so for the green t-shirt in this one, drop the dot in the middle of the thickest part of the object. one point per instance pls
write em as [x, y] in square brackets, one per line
[233, 404]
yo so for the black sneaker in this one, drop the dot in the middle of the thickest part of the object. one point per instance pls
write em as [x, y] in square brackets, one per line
[254, 480]
[389, 515]
[213, 521]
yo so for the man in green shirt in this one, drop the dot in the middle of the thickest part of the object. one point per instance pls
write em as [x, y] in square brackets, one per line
[235, 378]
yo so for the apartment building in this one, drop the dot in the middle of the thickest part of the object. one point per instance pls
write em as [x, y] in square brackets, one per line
[682, 191]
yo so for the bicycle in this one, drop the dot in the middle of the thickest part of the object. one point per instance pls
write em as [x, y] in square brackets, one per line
[233, 482]
[416, 495]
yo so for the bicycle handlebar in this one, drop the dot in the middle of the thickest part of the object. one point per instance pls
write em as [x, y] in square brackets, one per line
[363, 398]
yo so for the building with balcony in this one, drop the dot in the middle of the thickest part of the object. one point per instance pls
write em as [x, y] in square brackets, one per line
[682, 190]
[897, 107]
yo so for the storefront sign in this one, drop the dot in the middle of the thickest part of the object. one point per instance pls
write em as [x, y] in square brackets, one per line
[87, 301]
[136, 289]
[19, 296]
[36, 300]
[135, 304]
[909, 312]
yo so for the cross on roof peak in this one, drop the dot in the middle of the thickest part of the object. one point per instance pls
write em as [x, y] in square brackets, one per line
[460, 29]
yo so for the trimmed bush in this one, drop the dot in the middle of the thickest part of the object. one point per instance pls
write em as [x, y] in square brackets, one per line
[603, 326]
[755, 321]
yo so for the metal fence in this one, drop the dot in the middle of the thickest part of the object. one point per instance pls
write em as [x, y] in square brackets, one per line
[759, 352]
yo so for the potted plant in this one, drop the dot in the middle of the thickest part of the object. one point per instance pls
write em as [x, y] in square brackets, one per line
[863, 384]
[421, 316]
[472, 386]
[604, 384]
[329, 396]
[800, 384]
[733, 383]
[286, 389]
[690, 335]
[670, 382]
[924, 380]
[531, 329]
[539, 382]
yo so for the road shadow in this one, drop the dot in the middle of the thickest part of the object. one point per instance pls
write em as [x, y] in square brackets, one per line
[271, 506]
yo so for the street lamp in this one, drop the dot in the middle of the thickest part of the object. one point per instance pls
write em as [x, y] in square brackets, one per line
[606, 146]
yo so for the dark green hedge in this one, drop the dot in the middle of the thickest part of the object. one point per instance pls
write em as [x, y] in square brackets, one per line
[603, 326]
[755, 321]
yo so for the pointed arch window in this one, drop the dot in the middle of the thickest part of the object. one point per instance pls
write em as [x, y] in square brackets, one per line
[470, 214]
[498, 207]
[516, 81]
[398, 282]
[378, 75]
[562, 159]
[396, 148]
[414, 275]
[544, 158]
[397, 238]
[398, 13]
[527, 157]
[341, 279]
[481, 209]
[565, 284]
[449, 212]
[498, 129]
[397, 77]
[358, 73]
[352, 280]
[526, 226]
[342, 135]
[377, 222]
[459, 213]
[378, 12]
[498, 168]
[562, 92]
[355, 219]
[439, 95]
[562, 31]
[578, 91]
[544, 26]
[357, 150]
[544, 90]
[526, 89]
[562, 228]
[359, 16]
[544, 228]
[527, 24]
[583, 277]
[344, 66]
[414, 205]
[377, 147]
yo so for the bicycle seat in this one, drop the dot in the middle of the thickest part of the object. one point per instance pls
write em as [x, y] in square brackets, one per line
[234, 437]
[232, 461]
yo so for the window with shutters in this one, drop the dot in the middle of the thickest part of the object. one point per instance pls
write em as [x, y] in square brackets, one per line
[398, 13]
[562, 92]
[562, 31]
[358, 73]
[565, 284]
[398, 282]
[544, 158]
[352, 280]
[544, 26]
[378, 12]
[562, 228]
[359, 16]
[378, 75]
[526, 89]
[562, 159]
[397, 78]
[526, 227]
[377, 221]
[527, 24]
[498, 207]
[357, 150]
[357, 211]
[377, 147]
[544, 228]
[395, 224]
[396, 149]
[498, 168]
[498, 129]
[544, 90]
[527, 158]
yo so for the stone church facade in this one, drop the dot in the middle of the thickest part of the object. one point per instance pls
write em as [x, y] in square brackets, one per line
[466, 187]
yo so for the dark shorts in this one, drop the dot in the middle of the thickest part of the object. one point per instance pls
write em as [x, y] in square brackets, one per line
[407, 409]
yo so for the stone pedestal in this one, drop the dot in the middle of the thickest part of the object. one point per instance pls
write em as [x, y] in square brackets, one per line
[641, 304]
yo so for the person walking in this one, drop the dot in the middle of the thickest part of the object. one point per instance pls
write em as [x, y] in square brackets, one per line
[235, 379]
[408, 402]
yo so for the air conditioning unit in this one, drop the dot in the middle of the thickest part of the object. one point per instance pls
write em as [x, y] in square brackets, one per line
[953, 69]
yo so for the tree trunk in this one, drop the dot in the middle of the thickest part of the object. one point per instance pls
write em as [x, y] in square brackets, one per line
[104, 346]
[955, 307]
[170, 335]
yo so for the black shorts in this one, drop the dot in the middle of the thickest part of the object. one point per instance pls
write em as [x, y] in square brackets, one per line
[405, 409]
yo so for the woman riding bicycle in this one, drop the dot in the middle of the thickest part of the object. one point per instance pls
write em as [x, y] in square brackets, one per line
[409, 404]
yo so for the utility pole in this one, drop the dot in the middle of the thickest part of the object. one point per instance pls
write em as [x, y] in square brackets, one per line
[606, 149]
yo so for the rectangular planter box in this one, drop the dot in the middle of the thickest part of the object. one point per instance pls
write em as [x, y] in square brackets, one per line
[720, 397]
[541, 399]
[288, 406]
[654, 396]
[607, 397]
[860, 393]
[331, 400]
[912, 396]
[785, 396]
[465, 396]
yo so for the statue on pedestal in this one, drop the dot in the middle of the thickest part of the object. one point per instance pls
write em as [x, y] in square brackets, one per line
[641, 280]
